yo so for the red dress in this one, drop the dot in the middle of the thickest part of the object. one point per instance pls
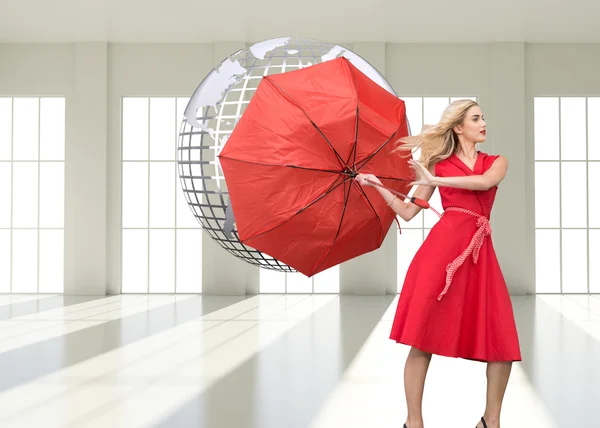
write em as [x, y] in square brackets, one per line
[454, 301]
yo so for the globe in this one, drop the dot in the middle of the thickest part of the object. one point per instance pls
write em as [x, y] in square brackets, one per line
[211, 115]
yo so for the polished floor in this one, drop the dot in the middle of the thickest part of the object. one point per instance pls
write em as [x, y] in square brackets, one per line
[274, 361]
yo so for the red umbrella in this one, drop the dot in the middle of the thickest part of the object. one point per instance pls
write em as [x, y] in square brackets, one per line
[289, 165]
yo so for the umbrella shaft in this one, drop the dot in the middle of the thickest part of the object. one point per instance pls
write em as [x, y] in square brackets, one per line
[417, 201]
[395, 192]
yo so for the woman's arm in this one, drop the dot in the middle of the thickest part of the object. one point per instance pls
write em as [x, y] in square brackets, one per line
[491, 178]
[406, 211]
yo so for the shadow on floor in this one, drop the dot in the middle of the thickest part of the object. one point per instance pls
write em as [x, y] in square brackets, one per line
[31, 362]
[287, 382]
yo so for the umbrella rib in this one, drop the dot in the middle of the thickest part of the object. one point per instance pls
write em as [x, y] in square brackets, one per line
[286, 138]
[361, 190]
[305, 168]
[372, 155]
[337, 234]
[354, 147]
[353, 151]
[328, 191]
[331, 171]
[364, 161]
[337, 155]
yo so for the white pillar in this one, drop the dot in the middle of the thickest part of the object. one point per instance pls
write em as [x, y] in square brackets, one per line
[508, 138]
[85, 173]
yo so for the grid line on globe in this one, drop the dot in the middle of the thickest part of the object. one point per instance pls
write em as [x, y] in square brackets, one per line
[200, 143]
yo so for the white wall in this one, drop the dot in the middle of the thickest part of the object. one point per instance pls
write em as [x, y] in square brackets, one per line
[86, 173]
[94, 77]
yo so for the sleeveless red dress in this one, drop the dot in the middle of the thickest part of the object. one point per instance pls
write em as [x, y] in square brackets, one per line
[454, 301]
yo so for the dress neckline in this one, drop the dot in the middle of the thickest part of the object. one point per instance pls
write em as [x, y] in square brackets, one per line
[472, 171]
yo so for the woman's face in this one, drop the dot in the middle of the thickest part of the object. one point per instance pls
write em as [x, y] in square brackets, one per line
[473, 128]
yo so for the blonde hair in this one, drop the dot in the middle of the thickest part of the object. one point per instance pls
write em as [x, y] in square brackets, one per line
[439, 141]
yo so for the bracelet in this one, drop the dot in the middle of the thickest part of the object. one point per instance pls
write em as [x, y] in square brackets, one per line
[392, 201]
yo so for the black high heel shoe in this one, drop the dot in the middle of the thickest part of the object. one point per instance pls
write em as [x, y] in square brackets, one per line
[483, 422]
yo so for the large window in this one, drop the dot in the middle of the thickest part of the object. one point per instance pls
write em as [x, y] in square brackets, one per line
[420, 111]
[32, 170]
[162, 240]
[567, 209]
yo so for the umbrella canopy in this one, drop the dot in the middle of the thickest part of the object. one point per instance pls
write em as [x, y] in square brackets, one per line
[290, 162]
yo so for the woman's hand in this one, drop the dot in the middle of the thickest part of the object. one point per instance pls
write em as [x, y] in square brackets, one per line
[423, 176]
[362, 179]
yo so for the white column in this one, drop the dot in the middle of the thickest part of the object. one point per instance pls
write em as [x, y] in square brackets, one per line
[223, 273]
[85, 173]
[373, 273]
[508, 138]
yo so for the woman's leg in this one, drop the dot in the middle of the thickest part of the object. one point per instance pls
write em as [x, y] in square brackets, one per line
[415, 371]
[497, 378]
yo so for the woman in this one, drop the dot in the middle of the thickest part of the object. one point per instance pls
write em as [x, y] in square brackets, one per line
[454, 301]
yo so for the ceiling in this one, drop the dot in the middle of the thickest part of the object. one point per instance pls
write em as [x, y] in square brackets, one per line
[197, 21]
